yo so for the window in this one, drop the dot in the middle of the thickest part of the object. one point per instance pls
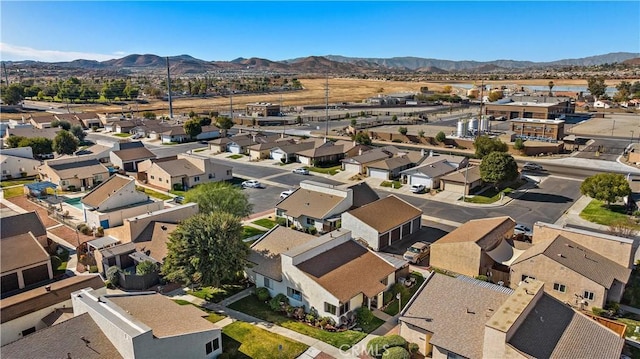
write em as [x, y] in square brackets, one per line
[267, 282]
[559, 287]
[98, 177]
[153, 177]
[310, 221]
[64, 183]
[160, 179]
[524, 277]
[589, 295]
[228, 172]
[209, 347]
[344, 308]
[294, 294]
[28, 331]
[451, 355]
[216, 344]
[385, 281]
[196, 179]
[329, 308]
[212, 175]
[4, 172]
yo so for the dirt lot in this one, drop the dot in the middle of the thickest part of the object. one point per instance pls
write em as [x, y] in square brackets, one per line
[621, 124]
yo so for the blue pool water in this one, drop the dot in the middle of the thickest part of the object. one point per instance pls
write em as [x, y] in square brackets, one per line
[74, 202]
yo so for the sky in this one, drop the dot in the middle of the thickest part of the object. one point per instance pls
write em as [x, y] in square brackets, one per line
[222, 31]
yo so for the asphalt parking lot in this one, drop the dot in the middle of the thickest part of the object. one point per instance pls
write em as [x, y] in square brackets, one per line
[263, 199]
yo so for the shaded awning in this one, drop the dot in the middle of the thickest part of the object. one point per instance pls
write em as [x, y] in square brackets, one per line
[103, 242]
[504, 253]
[141, 257]
[40, 186]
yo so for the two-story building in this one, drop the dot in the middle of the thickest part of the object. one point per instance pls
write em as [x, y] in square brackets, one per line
[263, 109]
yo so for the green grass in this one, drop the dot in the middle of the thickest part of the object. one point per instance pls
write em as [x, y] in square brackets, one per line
[326, 170]
[213, 294]
[13, 192]
[630, 332]
[122, 134]
[170, 143]
[394, 184]
[199, 150]
[178, 193]
[182, 301]
[16, 182]
[154, 194]
[370, 327]
[248, 232]
[597, 212]
[252, 306]
[491, 195]
[393, 307]
[265, 222]
[259, 343]
[235, 157]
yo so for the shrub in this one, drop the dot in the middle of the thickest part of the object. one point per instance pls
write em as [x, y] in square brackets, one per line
[399, 288]
[441, 136]
[274, 303]
[310, 318]
[397, 140]
[413, 348]
[396, 353]
[80, 226]
[376, 347]
[612, 306]
[93, 269]
[113, 275]
[313, 230]
[99, 231]
[55, 262]
[364, 316]
[85, 230]
[387, 297]
[177, 187]
[146, 267]
[482, 277]
[281, 221]
[598, 311]
[262, 293]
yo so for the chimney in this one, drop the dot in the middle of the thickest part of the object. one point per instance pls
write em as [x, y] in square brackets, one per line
[422, 152]
[360, 151]
[47, 288]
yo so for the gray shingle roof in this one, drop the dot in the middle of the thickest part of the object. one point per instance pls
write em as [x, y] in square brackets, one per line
[265, 252]
[20, 224]
[431, 170]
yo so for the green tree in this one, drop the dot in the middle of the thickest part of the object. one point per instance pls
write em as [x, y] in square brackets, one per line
[69, 90]
[14, 141]
[39, 145]
[551, 85]
[192, 114]
[206, 249]
[421, 133]
[146, 267]
[224, 123]
[77, 131]
[130, 91]
[606, 187]
[518, 144]
[402, 130]
[204, 121]
[441, 137]
[13, 94]
[485, 145]
[596, 86]
[362, 138]
[498, 167]
[494, 96]
[65, 125]
[394, 118]
[624, 91]
[149, 115]
[192, 128]
[65, 143]
[354, 122]
[220, 197]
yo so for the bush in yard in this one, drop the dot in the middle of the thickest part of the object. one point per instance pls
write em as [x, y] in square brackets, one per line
[113, 275]
[482, 277]
[387, 297]
[364, 316]
[377, 346]
[281, 221]
[598, 311]
[262, 293]
[93, 269]
[413, 348]
[399, 288]
[55, 262]
[396, 353]
[274, 303]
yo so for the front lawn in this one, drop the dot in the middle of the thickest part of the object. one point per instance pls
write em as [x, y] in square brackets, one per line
[393, 307]
[394, 184]
[630, 332]
[13, 192]
[597, 212]
[154, 194]
[326, 170]
[235, 157]
[248, 232]
[252, 306]
[122, 134]
[213, 294]
[265, 222]
[15, 182]
[256, 342]
[178, 193]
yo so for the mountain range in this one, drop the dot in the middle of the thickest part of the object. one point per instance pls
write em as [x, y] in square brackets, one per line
[188, 65]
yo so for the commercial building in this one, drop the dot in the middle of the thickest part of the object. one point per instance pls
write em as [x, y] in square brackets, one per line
[263, 109]
[510, 109]
[538, 128]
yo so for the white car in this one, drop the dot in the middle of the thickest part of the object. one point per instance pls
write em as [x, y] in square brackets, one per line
[417, 188]
[301, 171]
[286, 194]
[529, 166]
[251, 184]
[521, 229]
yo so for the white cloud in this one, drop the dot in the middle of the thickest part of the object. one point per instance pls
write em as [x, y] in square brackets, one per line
[10, 52]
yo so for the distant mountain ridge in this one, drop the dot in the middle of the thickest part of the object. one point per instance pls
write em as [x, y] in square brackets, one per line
[186, 64]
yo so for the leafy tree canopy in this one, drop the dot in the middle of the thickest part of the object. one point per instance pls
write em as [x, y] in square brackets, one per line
[65, 143]
[606, 187]
[498, 167]
[596, 86]
[220, 197]
[485, 145]
[362, 138]
[193, 128]
[13, 94]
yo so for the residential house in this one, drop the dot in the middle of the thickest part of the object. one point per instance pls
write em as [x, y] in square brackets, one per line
[31, 132]
[23, 223]
[24, 262]
[124, 126]
[100, 151]
[178, 134]
[327, 153]
[315, 205]
[260, 151]
[153, 240]
[618, 249]
[240, 144]
[466, 318]
[288, 152]
[428, 175]
[184, 172]
[129, 158]
[115, 199]
[69, 173]
[71, 118]
[42, 307]
[18, 162]
[462, 181]
[89, 119]
[383, 222]
[573, 274]
[602, 104]
[332, 274]
[124, 326]
[42, 122]
[359, 163]
[478, 247]
[219, 145]
[362, 194]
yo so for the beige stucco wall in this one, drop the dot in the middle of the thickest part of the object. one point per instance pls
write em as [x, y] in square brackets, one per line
[14, 166]
[417, 335]
[461, 257]
[620, 251]
[133, 227]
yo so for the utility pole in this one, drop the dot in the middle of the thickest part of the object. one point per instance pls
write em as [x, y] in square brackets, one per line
[169, 89]
[231, 104]
[284, 122]
[326, 91]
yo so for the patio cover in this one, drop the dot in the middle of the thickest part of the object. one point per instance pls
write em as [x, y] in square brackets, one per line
[40, 186]
[141, 257]
[504, 253]
[103, 242]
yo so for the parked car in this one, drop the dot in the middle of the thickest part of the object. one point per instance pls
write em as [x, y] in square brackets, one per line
[251, 184]
[522, 229]
[501, 118]
[301, 171]
[417, 188]
[530, 166]
[286, 193]
[417, 252]
[179, 199]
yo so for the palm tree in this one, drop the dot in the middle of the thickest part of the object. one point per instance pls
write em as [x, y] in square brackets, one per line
[550, 84]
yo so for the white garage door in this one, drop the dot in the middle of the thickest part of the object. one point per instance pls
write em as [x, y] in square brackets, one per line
[452, 187]
[305, 160]
[381, 174]
[420, 180]
[233, 149]
[278, 156]
[351, 168]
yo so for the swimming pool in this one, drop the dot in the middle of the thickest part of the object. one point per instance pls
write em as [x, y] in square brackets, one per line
[75, 202]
